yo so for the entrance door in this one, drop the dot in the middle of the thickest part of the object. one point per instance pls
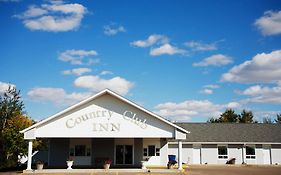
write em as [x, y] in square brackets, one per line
[266, 154]
[196, 154]
[124, 155]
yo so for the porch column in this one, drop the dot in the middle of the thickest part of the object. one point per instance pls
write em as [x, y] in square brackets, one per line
[29, 155]
[180, 154]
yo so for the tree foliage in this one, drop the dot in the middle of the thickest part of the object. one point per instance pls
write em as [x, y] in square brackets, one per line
[13, 120]
[229, 116]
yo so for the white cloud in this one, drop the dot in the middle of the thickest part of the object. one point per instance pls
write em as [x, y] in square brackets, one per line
[5, 86]
[263, 94]
[96, 84]
[262, 68]
[58, 96]
[269, 23]
[151, 40]
[199, 46]
[77, 57]
[207, 91]
[112, 29]
[166, 49]
[56, 16]
[186, 110]
[77, 71]
[106, 72]
[214, 60]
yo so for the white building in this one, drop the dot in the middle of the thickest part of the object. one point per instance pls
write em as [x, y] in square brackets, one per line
[108, 126]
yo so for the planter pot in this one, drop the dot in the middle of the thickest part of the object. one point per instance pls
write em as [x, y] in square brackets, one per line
[106, 166]
[143, 165]
[40, 166]
[69, 164]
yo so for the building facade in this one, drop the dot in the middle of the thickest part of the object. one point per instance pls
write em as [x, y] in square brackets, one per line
[108, 126]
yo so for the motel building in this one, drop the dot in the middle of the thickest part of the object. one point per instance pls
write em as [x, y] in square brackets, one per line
[109, 126]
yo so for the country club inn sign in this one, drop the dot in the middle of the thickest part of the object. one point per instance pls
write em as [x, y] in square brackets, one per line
[106, 114]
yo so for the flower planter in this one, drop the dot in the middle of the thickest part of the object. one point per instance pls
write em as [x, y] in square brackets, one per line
[106, 166]
[69, 164]
[143, 164]
[39, 166]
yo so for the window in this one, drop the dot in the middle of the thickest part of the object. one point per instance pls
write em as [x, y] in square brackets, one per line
[222, 152]
[250, 152]
[80, 150]
[151, 150]
[144, 151]
[157, 151]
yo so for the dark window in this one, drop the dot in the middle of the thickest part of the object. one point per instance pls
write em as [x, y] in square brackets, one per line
[250, 152]
[151, 150]
[80, 150]
[222, 152]
[144, 151]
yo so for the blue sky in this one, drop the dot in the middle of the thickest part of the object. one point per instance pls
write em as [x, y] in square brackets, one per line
[185, 60]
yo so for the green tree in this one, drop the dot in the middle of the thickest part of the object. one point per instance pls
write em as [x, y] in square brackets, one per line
[15, 145]
[278, 118]
[246, 117]
[13, 120]
[229, 116]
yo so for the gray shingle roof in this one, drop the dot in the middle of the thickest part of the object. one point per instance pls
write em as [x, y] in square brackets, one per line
[232, 132]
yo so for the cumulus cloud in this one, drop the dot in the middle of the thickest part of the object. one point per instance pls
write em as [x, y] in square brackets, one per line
[55, 16]
[77, 57]
[113, 29]
[214, 60]
[166, 49]
[96, 84]
[188, 109]
[199, 46]
[57, 96]
[5, 86]
[151, 40]
[262, 68]
[262, 94]
[269, 23]
[77, 71]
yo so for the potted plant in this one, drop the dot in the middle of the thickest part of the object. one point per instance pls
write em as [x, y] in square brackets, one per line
[107, 164]
[69, 163]
[39, 165]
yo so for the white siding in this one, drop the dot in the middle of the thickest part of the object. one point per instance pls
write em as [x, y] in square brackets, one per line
[209, 154]
[276, 154]
[235, 151]
[153, 160]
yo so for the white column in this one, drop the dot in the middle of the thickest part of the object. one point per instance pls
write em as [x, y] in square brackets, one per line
[29, 155]
[180, 154]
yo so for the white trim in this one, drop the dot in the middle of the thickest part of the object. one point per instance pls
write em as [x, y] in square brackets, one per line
[96, 96]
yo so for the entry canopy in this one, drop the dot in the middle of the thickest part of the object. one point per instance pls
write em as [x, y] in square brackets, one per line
[105, 115]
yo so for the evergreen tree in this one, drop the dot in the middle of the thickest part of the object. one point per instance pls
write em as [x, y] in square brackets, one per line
[246, 117]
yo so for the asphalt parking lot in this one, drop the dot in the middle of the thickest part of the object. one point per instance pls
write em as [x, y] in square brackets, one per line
[192, 170]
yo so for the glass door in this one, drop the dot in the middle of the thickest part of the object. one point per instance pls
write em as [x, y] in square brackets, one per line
[124, 155]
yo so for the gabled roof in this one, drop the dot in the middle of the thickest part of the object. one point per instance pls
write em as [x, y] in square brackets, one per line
[106, 91]
[233, 132]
